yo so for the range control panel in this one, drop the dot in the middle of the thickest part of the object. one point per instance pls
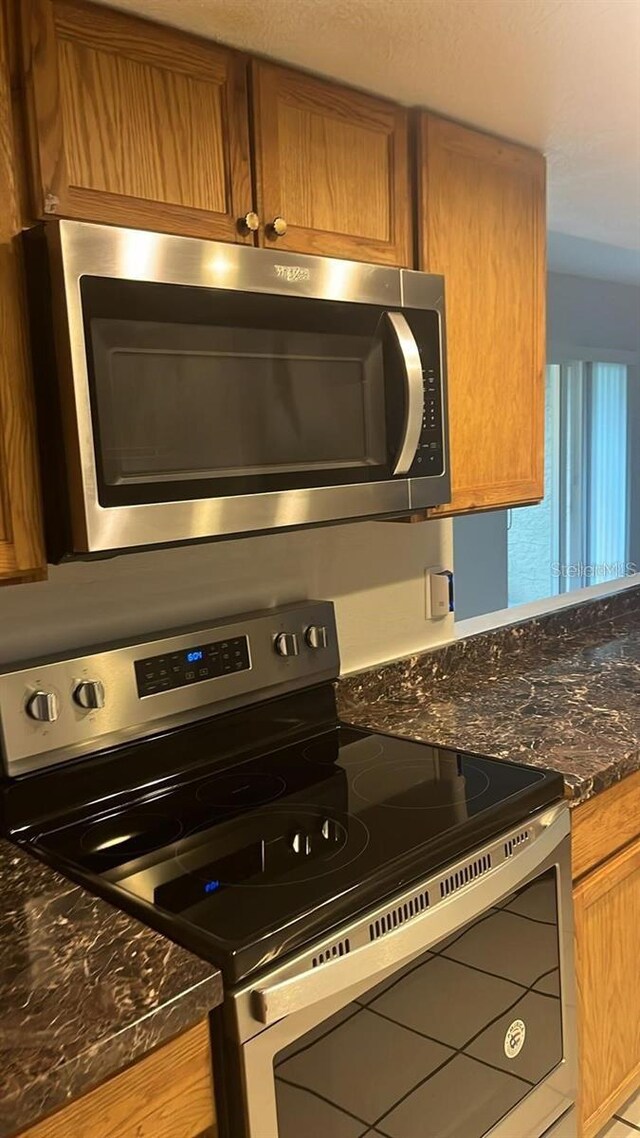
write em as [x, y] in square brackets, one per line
[59, 709]
[192, 665]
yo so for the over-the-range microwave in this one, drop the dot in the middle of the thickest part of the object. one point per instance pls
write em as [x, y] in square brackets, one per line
[191, 390]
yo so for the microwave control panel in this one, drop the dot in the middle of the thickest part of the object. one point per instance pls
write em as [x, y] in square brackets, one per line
[429, 458]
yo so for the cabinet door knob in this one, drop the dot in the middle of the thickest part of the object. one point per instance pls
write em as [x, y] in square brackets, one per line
[249, 223]
[277, 227]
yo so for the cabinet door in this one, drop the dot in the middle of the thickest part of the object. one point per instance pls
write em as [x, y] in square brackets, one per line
[132, 123]
[607, 916]
[334, 164]
[482, 225]
[167, 1094]
[21, 541]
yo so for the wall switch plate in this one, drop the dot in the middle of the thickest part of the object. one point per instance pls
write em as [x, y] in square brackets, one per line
[438, 593]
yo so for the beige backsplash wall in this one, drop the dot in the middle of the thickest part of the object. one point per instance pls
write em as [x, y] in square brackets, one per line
[373, 571]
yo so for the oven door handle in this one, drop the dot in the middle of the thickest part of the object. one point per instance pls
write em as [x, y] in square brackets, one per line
[413, 391]
[294, 994]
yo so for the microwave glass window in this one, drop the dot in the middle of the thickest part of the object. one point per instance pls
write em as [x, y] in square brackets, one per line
[480, 1011]
[182, 401]
[212, 393]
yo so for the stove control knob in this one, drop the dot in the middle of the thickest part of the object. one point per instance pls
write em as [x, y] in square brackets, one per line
[286, 644]
[43, 706]
[301, 843]
[316, 636]
[89, 695]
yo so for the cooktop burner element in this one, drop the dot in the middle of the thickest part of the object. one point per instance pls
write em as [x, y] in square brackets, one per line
[317, 752]
[411, 791]
[238, 789]
[108, 840]
[294, 847]
[238, 815]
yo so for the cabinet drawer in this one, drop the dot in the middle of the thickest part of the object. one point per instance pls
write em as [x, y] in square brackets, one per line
[605, 824]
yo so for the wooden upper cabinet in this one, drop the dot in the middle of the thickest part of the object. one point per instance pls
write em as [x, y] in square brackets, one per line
[133, 123]
[334, 164]
[21, 536]
[482, 225]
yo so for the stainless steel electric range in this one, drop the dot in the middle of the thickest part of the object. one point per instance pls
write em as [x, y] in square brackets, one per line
[392, 920]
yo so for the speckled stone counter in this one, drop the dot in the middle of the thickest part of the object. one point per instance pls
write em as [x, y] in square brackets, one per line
[561, 691]
[84, 990]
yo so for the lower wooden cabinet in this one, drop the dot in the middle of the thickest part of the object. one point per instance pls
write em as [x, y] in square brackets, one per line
[168, 1094]
[607, 915]
[607, 921]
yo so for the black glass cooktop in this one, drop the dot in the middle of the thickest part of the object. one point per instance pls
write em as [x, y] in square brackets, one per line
[246, 860]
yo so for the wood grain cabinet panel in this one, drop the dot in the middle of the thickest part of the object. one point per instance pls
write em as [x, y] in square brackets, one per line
[607, 916]
[482, 225]
[21, 537]
[133, 123]
[334, 164]
[604, 824]
[168, 1094]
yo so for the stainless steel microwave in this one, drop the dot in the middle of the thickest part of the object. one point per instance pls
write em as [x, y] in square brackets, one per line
[191, 390]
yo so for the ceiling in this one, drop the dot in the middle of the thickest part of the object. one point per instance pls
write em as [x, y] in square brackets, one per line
[560, 75]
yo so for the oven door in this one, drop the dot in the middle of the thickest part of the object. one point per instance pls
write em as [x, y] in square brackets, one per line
[459, 1023]
[218, 390]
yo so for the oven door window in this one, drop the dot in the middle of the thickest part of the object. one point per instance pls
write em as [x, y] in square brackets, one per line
[444, 1048]
[203, 393]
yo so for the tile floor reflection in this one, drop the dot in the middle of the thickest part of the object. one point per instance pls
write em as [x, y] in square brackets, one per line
[433, 1041]
[626, 1121]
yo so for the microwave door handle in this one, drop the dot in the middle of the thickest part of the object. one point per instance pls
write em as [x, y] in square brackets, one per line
[413, 391]
[286, 997]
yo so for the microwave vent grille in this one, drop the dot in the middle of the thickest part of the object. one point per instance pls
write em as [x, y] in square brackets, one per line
[340, 948]
[398, 916]
[465, 874]
[512, 844]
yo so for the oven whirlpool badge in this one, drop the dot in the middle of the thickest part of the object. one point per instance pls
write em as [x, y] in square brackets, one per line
[293, 273]
[514, 1039]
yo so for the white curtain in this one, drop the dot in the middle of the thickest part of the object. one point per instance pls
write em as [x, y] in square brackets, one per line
[579, 534]
[607, 490]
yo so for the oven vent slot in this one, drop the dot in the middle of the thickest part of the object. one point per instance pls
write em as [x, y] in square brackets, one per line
[398, 916]
[341, 948]
[463, 876]
[512, 844]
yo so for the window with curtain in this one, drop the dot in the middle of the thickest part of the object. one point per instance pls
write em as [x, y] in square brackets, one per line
[579, 534]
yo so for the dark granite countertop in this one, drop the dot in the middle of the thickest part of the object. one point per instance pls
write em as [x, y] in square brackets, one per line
[561, 691]
[84, 990]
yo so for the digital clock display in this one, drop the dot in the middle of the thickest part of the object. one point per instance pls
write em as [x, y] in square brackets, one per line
[192, 665]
